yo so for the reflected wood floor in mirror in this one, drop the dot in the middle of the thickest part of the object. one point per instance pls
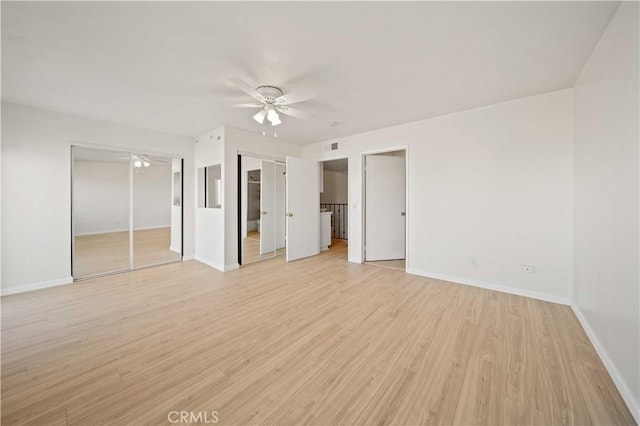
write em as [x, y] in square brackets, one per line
[316, 341]
[395, 264]
[251, 249]
[94, 254]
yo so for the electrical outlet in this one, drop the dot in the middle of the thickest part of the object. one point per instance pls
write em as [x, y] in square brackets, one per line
[475, 262]
[528, 269]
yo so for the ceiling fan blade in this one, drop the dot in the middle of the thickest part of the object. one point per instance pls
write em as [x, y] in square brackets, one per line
[294, 97]
[251, 105]
[245, 87]
[294, 112]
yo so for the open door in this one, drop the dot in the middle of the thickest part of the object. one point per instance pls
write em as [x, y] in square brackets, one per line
[267, 207]
[303, 208]
[281, 206]
[385, 207]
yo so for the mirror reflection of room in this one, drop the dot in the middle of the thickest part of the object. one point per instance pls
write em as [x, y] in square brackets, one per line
[156, 218]
[127, 211]
[210, 187]
[263, 209]
[100, 211]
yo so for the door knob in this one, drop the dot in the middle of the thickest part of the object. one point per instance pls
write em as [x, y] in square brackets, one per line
[403, 214]
[289, 214]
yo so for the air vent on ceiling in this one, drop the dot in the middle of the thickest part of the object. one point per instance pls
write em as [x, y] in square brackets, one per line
[331, 146]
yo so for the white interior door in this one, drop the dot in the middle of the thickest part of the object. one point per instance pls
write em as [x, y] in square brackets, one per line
[384, 207]
[281, 206]
[303, 208]
[267, 206]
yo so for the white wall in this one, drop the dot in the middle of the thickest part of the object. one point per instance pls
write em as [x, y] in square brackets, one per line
[36, 164]
[152, 196]
[335, 188]
[210, 232]
[606, 190]
[101, 197]
[492, 183]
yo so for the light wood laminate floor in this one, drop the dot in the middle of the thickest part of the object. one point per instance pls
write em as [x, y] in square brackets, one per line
[100, 253]
[395, 264]
[251, 249]
[316, 341]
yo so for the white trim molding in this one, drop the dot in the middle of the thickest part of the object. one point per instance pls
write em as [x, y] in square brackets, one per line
[617, 378]
[36, 286]
[188, 257]
[209, 263]
[111, 231]
[232, 267]
[489, 286]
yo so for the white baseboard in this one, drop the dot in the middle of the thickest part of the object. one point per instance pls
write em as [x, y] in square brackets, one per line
[490, 286]
[174, 249]
[231, 267]
[209, 263]
[611, 368]
[36, 286]
[111, 231]
[189, 257]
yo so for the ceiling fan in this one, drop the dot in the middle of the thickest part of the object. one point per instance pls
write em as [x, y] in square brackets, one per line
[141, 161]
[271, 101]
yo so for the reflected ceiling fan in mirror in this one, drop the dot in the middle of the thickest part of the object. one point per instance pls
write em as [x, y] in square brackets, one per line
[141, 161]
[272, 101]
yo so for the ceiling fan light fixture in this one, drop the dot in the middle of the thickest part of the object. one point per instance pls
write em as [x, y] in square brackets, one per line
[259, 117]
[273, 117]
[276, 121]
[140, 161]
[272, 101]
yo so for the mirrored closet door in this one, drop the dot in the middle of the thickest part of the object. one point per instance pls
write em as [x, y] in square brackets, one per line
[157, 210]
[262, 199]
[101, 211]
[126, 211]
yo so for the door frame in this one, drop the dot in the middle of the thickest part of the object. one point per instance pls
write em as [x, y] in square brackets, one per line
[363, 221]
[349, 165]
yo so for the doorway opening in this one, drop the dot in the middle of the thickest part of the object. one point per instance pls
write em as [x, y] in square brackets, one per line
[385, 183]
[334, 205]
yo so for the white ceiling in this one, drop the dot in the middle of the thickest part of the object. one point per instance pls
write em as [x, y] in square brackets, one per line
[165, 65]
